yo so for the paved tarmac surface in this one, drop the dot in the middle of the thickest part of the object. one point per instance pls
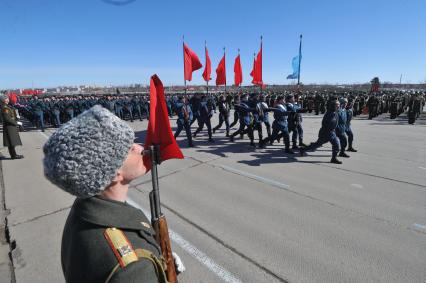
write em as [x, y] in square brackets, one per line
[243, 215]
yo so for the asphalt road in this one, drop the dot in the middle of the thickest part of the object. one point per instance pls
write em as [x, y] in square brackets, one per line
[243, 215]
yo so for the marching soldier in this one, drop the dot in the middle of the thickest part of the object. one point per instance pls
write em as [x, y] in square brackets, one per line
[185, 116]
[206, 109]
[327, 133]
[341, 127]
[223, 115]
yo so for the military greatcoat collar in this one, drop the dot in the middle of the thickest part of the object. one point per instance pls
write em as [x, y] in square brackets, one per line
[110, 213]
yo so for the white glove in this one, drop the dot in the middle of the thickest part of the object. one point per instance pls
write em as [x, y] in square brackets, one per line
[19, 123]
[178, 263]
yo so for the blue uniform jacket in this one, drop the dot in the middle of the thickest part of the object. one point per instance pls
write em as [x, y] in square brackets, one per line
[179, 110]
[280, 118]
[244, 112]
[329, 124]
[341, 125]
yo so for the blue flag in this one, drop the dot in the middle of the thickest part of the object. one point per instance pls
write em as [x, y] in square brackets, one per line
[295, 65]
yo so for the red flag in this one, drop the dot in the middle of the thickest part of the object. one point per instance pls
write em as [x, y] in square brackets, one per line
[238, 78]
[191, 62]
[207, 68]
[221, 72]
[256, 73]
[159, 131]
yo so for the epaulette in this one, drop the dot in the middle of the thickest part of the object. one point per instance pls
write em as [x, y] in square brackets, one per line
[121, 246]
[125, 254]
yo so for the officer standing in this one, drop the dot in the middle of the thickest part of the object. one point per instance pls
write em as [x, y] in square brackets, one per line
[10, 128]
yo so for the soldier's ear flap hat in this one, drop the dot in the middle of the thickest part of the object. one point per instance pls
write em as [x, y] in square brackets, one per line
[82, 157]
[3, 98]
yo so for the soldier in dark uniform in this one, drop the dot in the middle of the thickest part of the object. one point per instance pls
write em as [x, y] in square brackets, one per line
[246, 120]
[206, 113]
[223, 115]
[37, 108]
[10, 128]
[279, 126]
[327, 132]
[341, 127]
[237, 101]
[185, 116]
[104, 238]
[349, 133]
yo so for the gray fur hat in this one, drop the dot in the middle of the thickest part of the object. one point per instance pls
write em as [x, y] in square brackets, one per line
[82, 157]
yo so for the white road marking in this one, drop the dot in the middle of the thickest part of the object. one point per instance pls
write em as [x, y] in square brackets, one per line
[358, 186]
[255, 177]
[44, 135]
[420, 227]
[218, 270]
[422, 168]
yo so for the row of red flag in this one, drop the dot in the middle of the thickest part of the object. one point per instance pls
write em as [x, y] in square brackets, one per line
[192, 63]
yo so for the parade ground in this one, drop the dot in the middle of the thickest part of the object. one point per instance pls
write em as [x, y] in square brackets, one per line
[238, 214]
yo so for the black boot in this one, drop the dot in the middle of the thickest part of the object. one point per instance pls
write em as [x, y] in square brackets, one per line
[343, 154]
[289, 151]
[335, 160]
[351, 149]
[302, 144]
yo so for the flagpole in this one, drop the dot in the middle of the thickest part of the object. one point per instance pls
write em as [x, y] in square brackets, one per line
[207, 81]
[183, 51]
[300, 60]
[239, 86]
[224, 59]
[254, 67]
[261, 63]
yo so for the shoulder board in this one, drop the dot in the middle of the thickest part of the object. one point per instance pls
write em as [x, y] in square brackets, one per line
[6, 110]
[121, 246]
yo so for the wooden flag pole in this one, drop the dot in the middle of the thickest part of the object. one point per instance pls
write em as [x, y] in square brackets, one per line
[300, 61]
[261, 44]
[207, 81]
[183, 50]
[224, 53]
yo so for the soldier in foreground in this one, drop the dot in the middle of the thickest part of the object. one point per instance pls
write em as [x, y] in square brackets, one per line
[93, 157]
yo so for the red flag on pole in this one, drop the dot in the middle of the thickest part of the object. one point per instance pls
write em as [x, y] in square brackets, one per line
[256, 73]
[191, 62]
[238, 72]
[159, 131]
[207, 67]
[221, 72]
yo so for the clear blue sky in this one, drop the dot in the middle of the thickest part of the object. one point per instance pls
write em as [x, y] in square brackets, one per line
[47, 43]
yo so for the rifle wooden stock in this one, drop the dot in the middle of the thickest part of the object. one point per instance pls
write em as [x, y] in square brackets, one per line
[162, 237]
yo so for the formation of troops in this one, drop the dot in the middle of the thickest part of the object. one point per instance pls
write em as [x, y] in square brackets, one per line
[279, 113]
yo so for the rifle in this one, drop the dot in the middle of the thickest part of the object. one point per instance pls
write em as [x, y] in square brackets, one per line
[158, 220]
